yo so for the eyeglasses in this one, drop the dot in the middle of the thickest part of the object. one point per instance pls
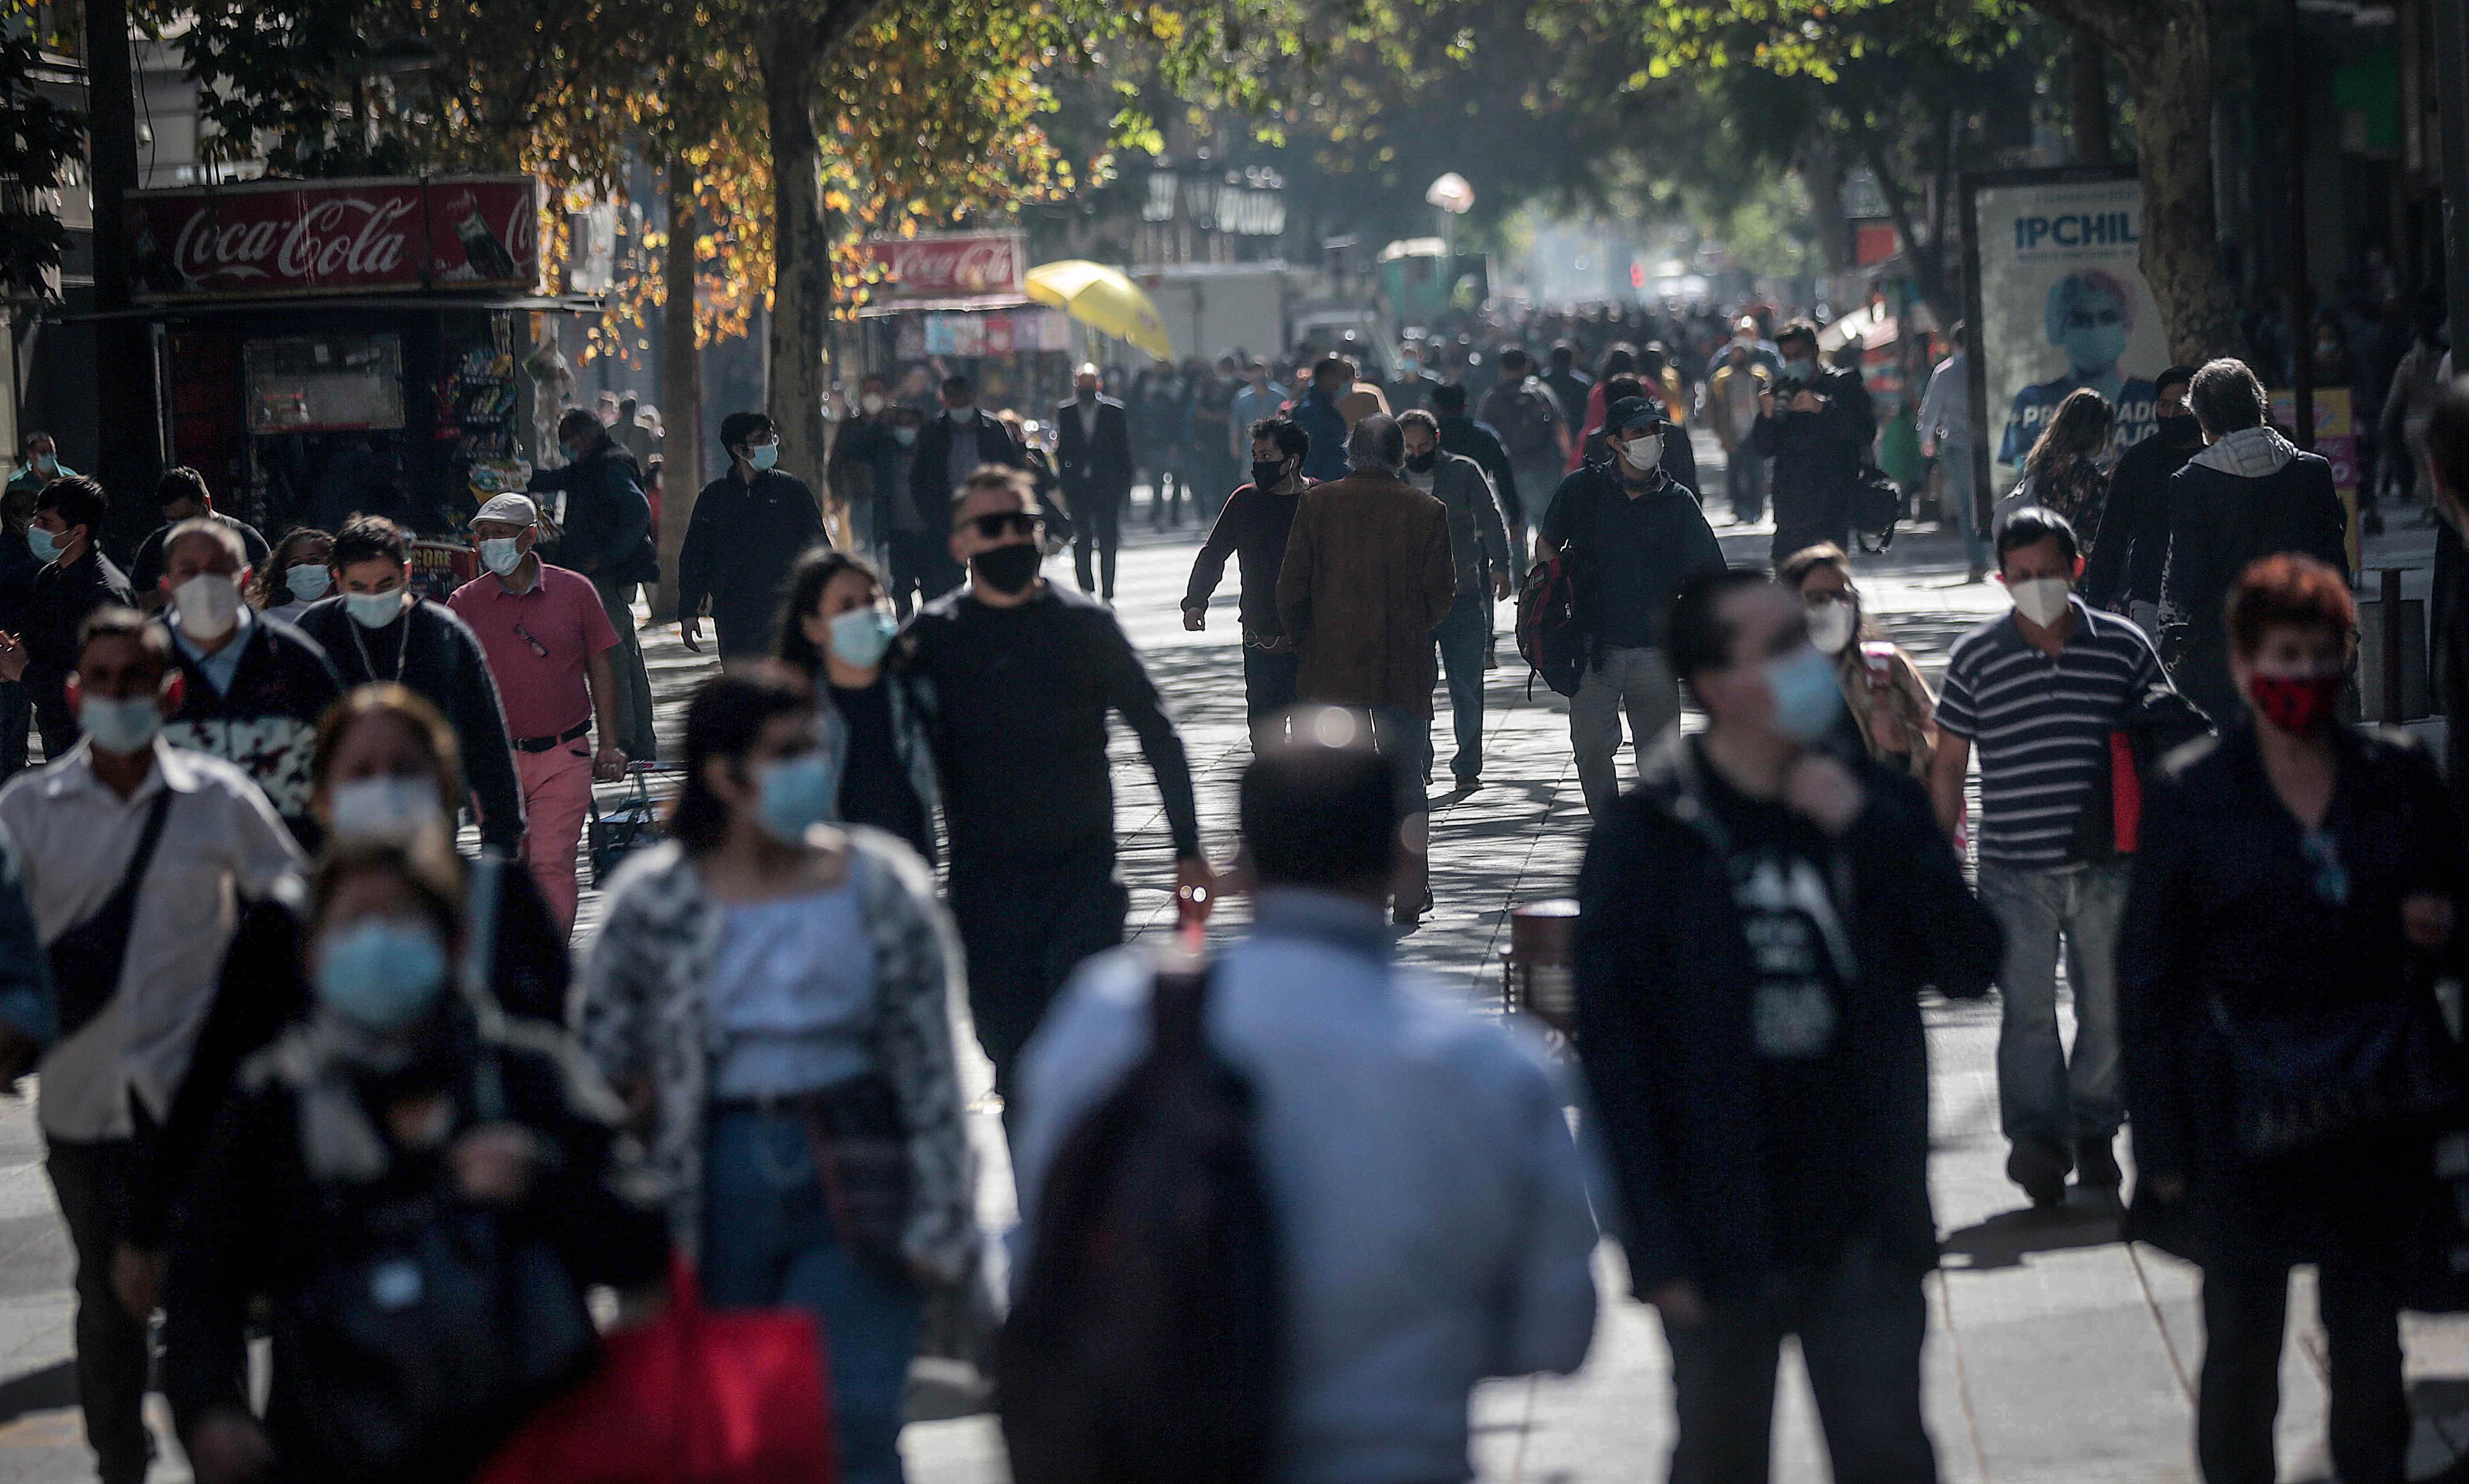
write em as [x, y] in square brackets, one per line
[1012, 522]
[525, 635]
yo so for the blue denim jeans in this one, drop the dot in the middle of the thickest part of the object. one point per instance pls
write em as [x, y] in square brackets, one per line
[1269, 678]
[768, 1242]
[1464, 637]
[2044, 1093]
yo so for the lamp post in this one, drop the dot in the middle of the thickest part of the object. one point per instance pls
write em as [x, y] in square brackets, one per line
[1455, 199]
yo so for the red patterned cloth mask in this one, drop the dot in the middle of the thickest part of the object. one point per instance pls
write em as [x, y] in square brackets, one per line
[2295, 703]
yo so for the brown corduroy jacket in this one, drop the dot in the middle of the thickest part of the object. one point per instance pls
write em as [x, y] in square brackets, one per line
[1368, 577]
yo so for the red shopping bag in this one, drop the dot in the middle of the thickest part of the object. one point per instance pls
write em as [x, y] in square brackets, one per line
[694, 1397]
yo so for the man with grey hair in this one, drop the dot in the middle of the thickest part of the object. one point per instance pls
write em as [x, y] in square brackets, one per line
[2250, 494]
[1367, 576]
[251, 692]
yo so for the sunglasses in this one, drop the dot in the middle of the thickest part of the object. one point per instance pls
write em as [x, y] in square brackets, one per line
[995, 527]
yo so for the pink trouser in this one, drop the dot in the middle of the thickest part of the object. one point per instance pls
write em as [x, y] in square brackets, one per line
[557, 793]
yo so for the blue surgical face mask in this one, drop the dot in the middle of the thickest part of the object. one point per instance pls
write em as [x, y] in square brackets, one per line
[763, 456]
[380, 973]
[861, 636]
[42, 543]
[1806, 696]
[904, 437]
[796, 794]
[2094, 347]
[502, 554]
[307, 580]
[1800, 368]
[120, 726]
[374, 611]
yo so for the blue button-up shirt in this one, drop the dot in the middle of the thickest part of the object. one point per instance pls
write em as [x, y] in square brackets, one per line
[1431, 1204]
[220, 666]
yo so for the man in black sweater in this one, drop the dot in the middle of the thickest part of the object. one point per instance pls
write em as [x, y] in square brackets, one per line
[377, 628]
[749, 526]
[608, 525]
[1817, 427]
[1016, 677]
[181, 495]
[76, 579]
[2132, 556]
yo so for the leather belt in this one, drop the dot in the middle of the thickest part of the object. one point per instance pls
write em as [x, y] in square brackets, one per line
[582, 729]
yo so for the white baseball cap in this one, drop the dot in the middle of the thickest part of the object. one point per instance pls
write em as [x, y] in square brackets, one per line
[515, 510]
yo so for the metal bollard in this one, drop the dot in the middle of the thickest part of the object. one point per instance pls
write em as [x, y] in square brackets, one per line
[1540, 969]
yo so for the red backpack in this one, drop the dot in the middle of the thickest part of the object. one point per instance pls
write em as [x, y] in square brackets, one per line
[1547, 639]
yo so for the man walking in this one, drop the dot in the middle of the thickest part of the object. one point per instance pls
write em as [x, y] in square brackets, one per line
[548, 641]
[1261, 397]
[607, 539]
[251, 692]
[1755, 924]
[38, 464]
[2132, 561]
[1460, 434]
[1946, 435]
[1367, 576]
[1631, 538]
[1316, 412]
[1533, 426]
[2248, 494]
[750, 526]
[17, 569]
[181, 496]
[1479, 549]
[1570, 386]
[1093, 454]
[1816, 427]
[137, 858]
[376, 628]
[76, 579]
[949, 449]
[1421, 1251]
[1732, 396]
[913, 544]
[2039, 693]
[1253, 528]
[1017, 677]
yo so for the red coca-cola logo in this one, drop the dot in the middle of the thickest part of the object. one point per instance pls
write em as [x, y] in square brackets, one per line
[354, 237]
[935, 267]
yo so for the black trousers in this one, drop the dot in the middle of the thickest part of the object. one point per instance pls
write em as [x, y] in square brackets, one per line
[1861, 1326]
[1098, 527]
[2246, 1313]
[1026, 927]
[922, 564]
[96, 1184]
[16, 726]
[57, 724]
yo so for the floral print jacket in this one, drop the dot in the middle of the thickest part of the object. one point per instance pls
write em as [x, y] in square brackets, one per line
[643, 1009]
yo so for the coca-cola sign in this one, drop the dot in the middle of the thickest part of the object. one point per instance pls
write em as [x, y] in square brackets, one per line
[336, 235]
[949, 264]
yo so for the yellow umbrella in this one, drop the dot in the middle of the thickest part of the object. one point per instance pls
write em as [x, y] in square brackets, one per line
[1104, 299]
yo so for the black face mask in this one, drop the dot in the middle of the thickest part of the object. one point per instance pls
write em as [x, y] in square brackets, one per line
[1424, 463]
[1008, 569]
[1268, 476]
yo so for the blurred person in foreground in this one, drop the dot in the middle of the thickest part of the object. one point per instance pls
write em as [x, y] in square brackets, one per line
[2447, 457]
[1429, 1204]
[1884, 699]
[773, 995]
[1756, 923]
[398, 1136]
[2299, 888]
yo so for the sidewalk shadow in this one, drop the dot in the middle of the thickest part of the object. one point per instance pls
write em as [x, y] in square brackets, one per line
[2006, 1239]
[49, 1390]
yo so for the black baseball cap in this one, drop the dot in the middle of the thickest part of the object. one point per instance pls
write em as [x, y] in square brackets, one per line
[1632, 413]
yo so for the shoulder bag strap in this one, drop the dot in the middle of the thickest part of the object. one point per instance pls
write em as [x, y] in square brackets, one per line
[118, 915]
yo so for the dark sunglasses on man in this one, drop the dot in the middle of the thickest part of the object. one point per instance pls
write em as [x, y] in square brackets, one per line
[1004, 523]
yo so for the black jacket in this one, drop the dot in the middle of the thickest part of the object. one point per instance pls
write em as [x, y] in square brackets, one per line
[2218, 525]
[740, 544]
[1098, 469]
[17, 569]
[1665, 983]
[1476, 441]
[932, 479]
[266, 724]
[55, 607]
[2223, 911]
[1818, 454]
[2132, 556]
[608, 525]
[447, 667]
[145, 566]
[1683, 545]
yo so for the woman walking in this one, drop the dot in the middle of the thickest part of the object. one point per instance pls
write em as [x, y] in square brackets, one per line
[771, 995]
[2067, 470]
[836, 633]
[2295, 898]
[1883, 695]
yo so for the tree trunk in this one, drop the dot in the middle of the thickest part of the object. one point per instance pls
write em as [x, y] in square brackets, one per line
[801, 284]
[681, 389]
[1927, 260]
[2087, 65]
[2166, 48]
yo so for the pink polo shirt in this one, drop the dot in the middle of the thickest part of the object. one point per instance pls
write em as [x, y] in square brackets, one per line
[538, 644]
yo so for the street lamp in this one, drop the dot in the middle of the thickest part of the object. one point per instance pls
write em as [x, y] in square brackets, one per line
[1455, 199]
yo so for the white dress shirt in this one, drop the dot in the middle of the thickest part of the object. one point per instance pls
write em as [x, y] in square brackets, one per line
[76, 837]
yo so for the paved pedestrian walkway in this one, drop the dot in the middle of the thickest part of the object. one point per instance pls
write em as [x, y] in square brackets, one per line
[2055, 1352]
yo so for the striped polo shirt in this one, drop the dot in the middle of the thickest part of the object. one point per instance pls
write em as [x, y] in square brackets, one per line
[2041, 725]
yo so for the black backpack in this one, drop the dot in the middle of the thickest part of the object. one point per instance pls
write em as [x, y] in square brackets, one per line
[1145, 1340]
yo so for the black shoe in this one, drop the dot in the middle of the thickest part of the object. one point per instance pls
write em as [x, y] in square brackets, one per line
[2041, 1168]
[2096, 1164]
